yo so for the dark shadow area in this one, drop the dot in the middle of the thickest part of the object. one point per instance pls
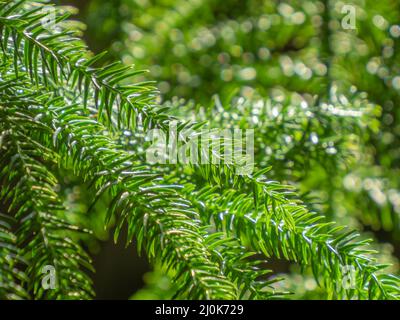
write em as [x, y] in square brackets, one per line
[119, 271]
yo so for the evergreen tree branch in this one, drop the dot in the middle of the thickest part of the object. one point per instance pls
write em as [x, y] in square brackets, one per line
[28, 195]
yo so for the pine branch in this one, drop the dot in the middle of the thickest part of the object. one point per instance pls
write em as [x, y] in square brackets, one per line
[12, 263]
[244, 267]
[29, 196]
[161, 221]
[64, 120]
[56, 58]
[280, 227]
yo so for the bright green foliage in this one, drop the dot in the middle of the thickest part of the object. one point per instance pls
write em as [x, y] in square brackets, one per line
[196, 49]
[211, 231]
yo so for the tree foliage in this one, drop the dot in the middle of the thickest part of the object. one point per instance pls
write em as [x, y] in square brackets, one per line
[212, 231]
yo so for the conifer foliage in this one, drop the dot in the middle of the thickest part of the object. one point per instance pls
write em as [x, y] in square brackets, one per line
[66, 112]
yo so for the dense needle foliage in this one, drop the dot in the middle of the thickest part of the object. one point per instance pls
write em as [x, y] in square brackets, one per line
[323, 198]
